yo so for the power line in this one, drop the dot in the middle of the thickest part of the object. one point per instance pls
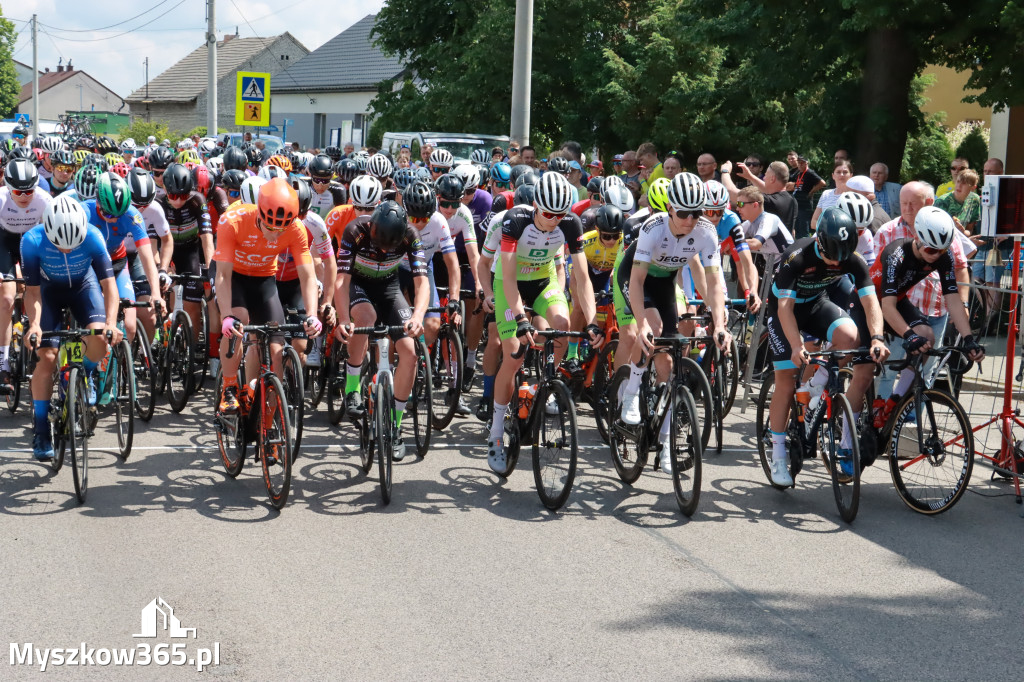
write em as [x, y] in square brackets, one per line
[103, 28]
[124, 33]
[265, 46]
[55, 46]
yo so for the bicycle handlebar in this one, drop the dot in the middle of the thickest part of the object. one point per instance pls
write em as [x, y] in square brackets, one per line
[900, 365]
[264, 329]
[549, 334]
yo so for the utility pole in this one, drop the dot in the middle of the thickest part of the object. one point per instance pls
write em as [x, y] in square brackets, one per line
[522, 64]
[146, 62]
[35, 78]
[211, 68]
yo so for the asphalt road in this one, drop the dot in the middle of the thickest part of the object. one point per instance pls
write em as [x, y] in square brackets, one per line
[467, 576]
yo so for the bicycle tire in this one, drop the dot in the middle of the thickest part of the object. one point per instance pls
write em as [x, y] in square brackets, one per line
[909, 476]
[446, 381]
[419, 405]
[201, 349]
[627, 443]
[714, 371]
[555, 446]
[732, 375]
[291, 371]
[700, 388]
[603, 373]
[687, 453]
[179, 361]
[78, 432]
[58, 431]
[384, 421]
[143, 369]
[764, 432]
[16, 361]
[830, 432]
[123, 397]
[335, 389]
[227, 426]
[274, 444]
[512, 436]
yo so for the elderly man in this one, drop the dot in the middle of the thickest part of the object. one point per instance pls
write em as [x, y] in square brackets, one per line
[862, 184]
[776, 199]
[887, 193]
[647, 156]
[707, 167]
[630, 168]
[927, 294]
[955, 168]
[993, 166]
[348, 150]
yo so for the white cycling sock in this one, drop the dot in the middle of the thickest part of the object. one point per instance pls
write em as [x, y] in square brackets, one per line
[633, 383]
[844, 442]
[779, 452]
[471, 360]
[666, 426]
[903, 383]
[3, 357]
[498, 421]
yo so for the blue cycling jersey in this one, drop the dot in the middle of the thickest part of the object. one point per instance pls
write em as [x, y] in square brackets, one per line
[725, 225]
[114, 233]
[42, 261]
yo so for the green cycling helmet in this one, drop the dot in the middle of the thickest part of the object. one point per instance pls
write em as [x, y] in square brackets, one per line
[113, 196]
[657, 195]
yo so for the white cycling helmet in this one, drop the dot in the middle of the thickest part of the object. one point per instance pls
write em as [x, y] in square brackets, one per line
[65, 223]
[442, 158]
[207, 145]
[716, 196]
[553, 193]
[379, 166]
[250, 189]
[480, 156]
[686, 192]
[269, 172]
[51, 144]
[467, 173]
[616, 194]
[215, 164]
[934, 227]
[151, 139]
[858, 207]
[127, 145]
[365, 191]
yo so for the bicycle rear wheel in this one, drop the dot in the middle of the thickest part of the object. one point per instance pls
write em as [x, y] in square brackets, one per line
[179, 362]
[599, 400]
[714, 370]
[275, 441]
[144, 371]
[700, 388]
[58, 427]
[384, 424]
[418, 407]
[123, 397]
[78, 431]
[334, 387]
[845, 472]
[447, 378]
[291, 371]
[764, 431]
[686, 450]
[16, 361]
[201, 349]
[732, 377]
[627, 443]
[933, 446]
[228, 428]
[555, 449]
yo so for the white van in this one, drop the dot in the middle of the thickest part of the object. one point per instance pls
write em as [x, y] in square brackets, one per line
[461, 145]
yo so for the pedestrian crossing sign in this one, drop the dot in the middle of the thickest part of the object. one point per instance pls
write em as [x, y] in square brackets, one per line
[252, 99]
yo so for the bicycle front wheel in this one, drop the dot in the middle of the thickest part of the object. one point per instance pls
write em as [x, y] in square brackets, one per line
[179, 362]
[764, 431]
[124, 397]
[384, 424]
[555, 449]
[232, 451]
[627, 443]
[843, 463]
[275, 441]
[447, 378]
[686, 450]
[144, 371]
[78, 431]
[700, 388]
[294, 391]
[932, 458]
[418, 408]
[599, 400]
[334, 385]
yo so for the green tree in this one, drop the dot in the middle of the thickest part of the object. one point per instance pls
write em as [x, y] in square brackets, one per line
[140, 129]
[10, 88]
[974, 149]
[927, 155]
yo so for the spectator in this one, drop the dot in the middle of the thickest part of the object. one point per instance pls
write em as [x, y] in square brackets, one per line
[513, 149]
[993, 166]
[840, 155]
[617, 164]
[791, 161]
[887, 193]
[672, 167]
[425, 151]
[830, 197]
[707, 168]
[804, 183]
[630, 168]
[529, 155]
[295, 147]
[347, 150]
[542, 165]
[247, 137]
[965, 207]
[775, 198]
[962, 203]
[954, 169]
[260, 144]
[596, 168]
[575, 179]
[862, 184]
[497, 154]
[764, 231]
[647, 156]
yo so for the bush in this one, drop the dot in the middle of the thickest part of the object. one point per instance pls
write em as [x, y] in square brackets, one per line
[974, 148]
[927, 156]
[141, 129]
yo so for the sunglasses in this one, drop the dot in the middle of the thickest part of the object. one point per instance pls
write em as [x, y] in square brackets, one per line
[450, 204]
[22, 192]
[741, 204]
[752, 164]
[609, 236]
[500, 185]
[64, 169]
[931, 250]
[957, 169]
[177, 197]
[234, 193]
[513, 150]
[157, 174]
[320, 181]
[616, 163]
[714, 212]
[683, 215]
[543, 160]
[438, 169]
[552, 216]
[18, 137]
[416, 220]
[470, 191]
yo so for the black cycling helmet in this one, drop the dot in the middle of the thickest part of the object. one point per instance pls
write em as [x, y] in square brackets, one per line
[177, 179]
[449, 187]
[594, 186]
[609, 219]
[160, 158]
[253, 156]
[21, 131]
[837, 234]
[21, 174]
[333, 153]
[234, 159]
[305, 192]
[388, 225]
[233, 179]
[530, 177]
[141, 186]
[321, 166]
[517, 172]
[62, 157]
[559, 164]
[97, 160]
[419, 200]
[104, 145]
[525, 194]
[347, 170]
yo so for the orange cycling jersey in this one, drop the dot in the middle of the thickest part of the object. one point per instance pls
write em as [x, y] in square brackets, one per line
[241, 243]
[338, 219]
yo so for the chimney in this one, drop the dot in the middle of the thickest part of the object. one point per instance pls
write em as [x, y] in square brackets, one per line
[69, 67]
[227, 38]
[60, 69]
[47, 70]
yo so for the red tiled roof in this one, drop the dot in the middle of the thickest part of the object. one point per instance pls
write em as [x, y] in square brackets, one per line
[46, 81]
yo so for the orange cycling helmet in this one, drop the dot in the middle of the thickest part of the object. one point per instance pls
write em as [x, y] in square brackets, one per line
[281, 161]
[278, 203]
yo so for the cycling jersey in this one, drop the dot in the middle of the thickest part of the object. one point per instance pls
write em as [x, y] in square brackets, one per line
[897, 269]
[217, 204]
[666, 253]
[599, 257]
[42, 262]
[338, 219]
[803, 274]
[866, 246]
[631, 227]
[730, 234]
[535, 249]
[241, 243]
[581, 207]
[435, 238]
[155, 221]
[17, 220]
[189, 221]
[479, 206]
[334, 195]
[359, 256]
[462, 229]
[770, 231]
[57, 191]
[492, 240]
[115, 233]
[319, 244]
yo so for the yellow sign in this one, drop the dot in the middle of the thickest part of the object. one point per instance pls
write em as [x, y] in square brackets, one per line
[252, 99]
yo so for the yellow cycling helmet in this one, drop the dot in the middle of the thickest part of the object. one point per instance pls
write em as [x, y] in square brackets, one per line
[113, 157]
[657, 195]
[81, 155]
[188, 155]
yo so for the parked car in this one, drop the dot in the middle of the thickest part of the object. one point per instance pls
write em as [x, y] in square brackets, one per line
[461, 145]
[273, 142]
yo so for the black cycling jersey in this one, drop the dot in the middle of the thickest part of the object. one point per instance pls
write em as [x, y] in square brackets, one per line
[588, 218]
[803, 275]
[359, 256]
[189, 221]
[631, 227]
[898, 269]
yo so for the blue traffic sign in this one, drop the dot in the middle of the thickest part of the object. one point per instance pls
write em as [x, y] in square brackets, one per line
[253, 89]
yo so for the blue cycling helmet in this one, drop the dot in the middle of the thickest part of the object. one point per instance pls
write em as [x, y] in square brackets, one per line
[501, 172]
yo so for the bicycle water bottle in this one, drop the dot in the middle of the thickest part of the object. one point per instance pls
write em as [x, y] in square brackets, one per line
[803, 398]
[526, 395]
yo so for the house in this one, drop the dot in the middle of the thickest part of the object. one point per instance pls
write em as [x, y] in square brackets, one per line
[178, 96]
[24, 72]
[68, 89]
[326, 95]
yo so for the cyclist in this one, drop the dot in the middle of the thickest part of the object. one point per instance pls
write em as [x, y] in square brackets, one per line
[372, 248]
[232, 181]
[128, 151]
[159, 160]
[326, 194]
[441, 162]
[22, 206]
[63, 163]
[66, 266]
[143, 191]
[501, 178]
[365, 193]
[799, 304]
[643, 286]
[531, 239]
[731, 240]
[250, 238]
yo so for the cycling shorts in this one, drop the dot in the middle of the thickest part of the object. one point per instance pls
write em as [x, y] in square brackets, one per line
[407, 281]
[659, 293]
[467, 280]
[599, 280]
[258, 295]
[539, 294]
[187, 259]
[290, 293]
[843, 293]
[818, 318]
[85, 300]
[10, 253]
[386, 298]
[138, 276]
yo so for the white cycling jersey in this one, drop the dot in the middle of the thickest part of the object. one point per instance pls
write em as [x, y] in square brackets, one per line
[435, 236]
[17, 220]
[666, 253]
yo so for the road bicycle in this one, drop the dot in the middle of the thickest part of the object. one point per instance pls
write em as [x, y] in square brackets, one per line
[267, 425]
[447, 360]
[17, 357]
[116, 381]
[631, 446]
[820, 427]
[293, 375]
[181, 355]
